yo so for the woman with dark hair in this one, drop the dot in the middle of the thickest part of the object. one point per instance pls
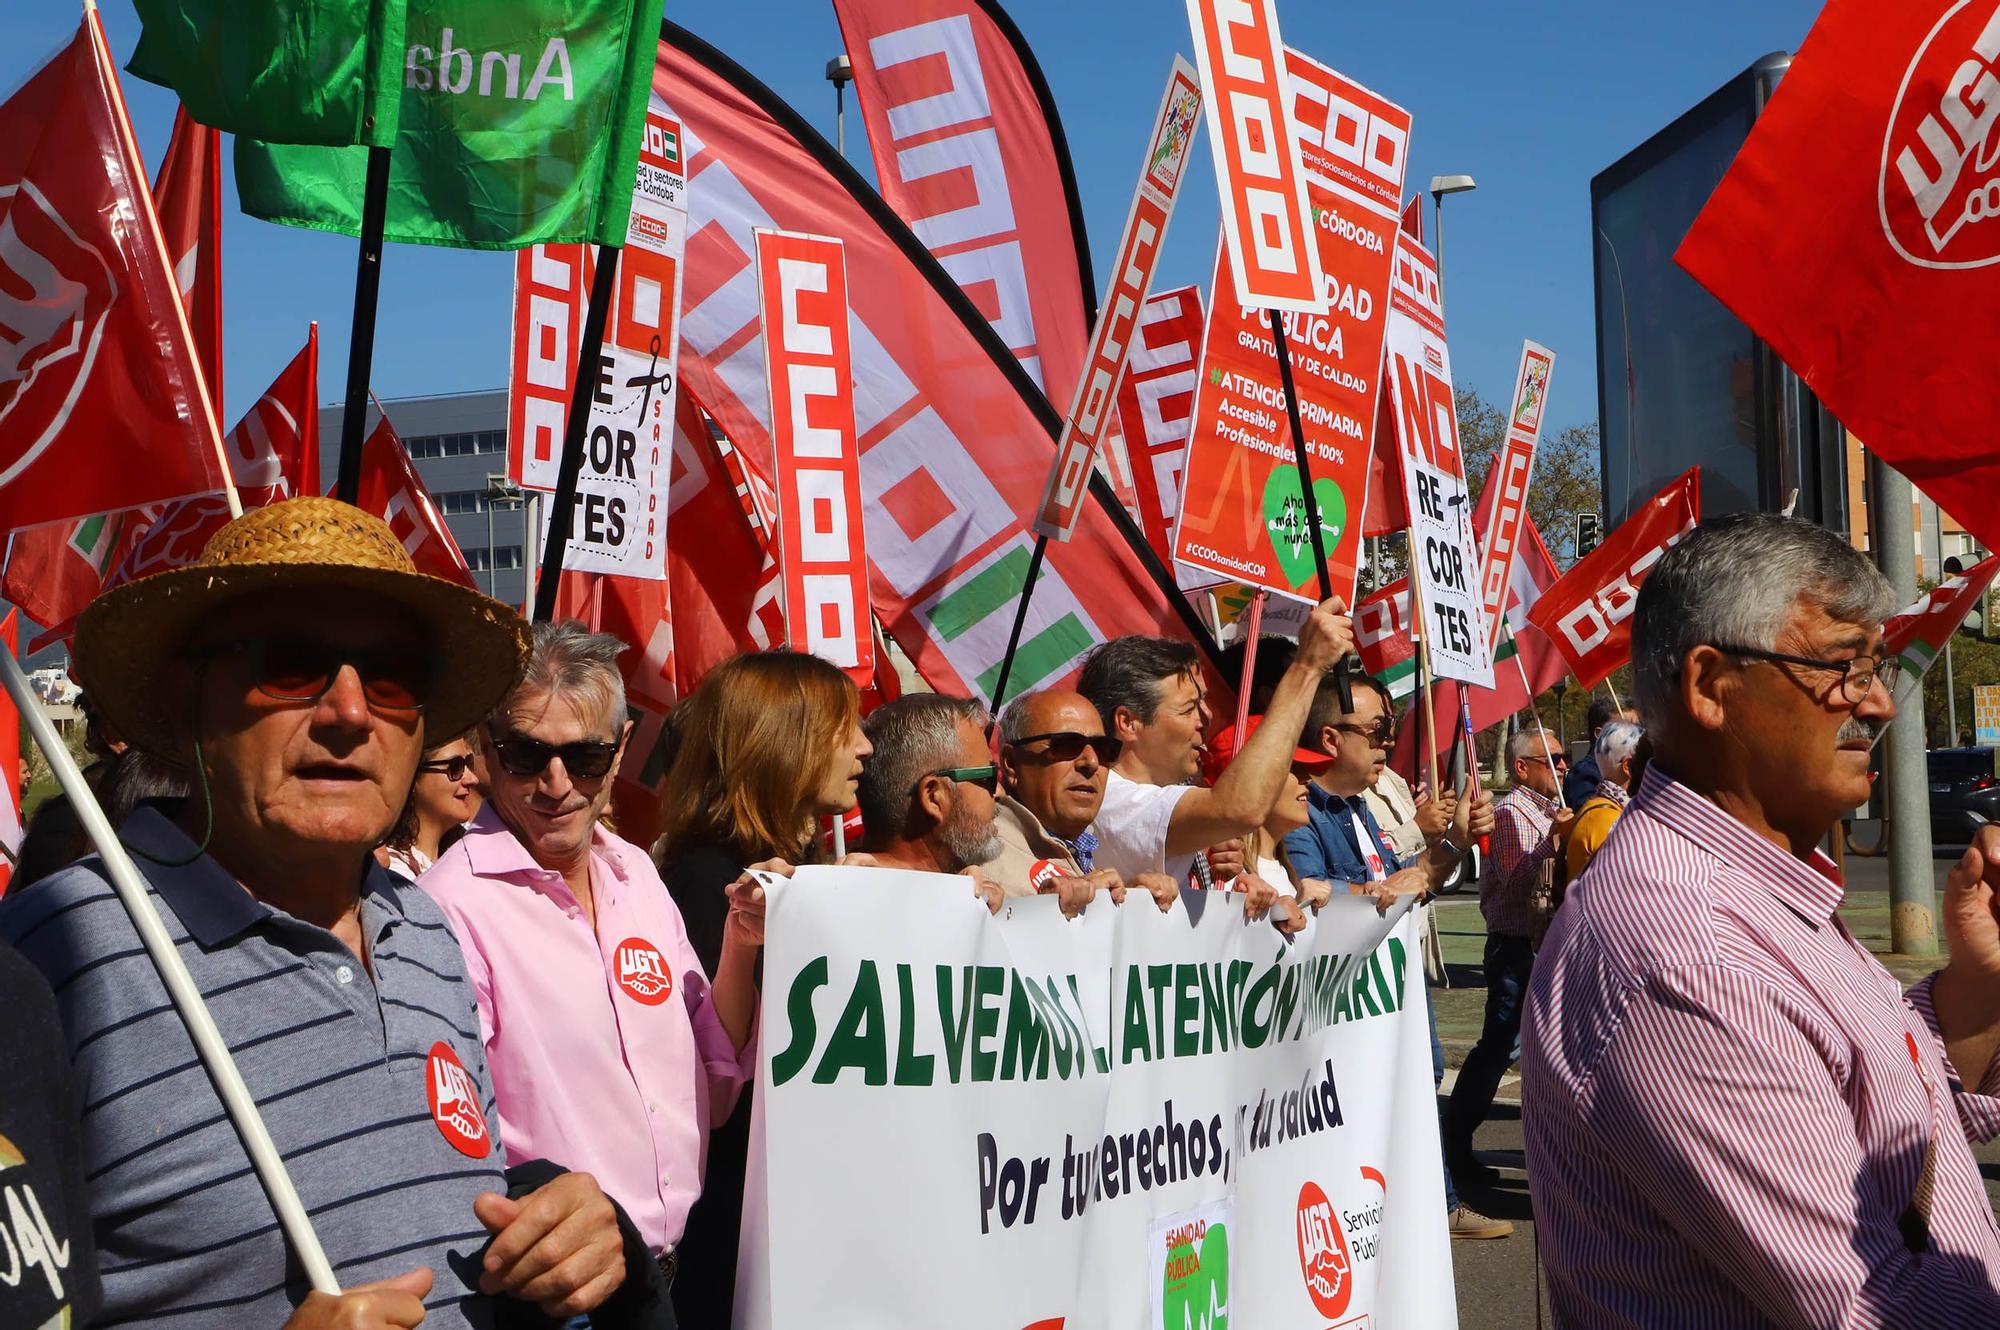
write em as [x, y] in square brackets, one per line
[444, 797]
[765, 745]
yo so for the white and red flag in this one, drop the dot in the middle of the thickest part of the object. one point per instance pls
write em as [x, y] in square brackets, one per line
[102, 404]
[393, 491]
[1858, 232]
[955, 442]
[1508, 481]
[1156, 406]
[188, 197]
[1588, 614]
[1916, 635]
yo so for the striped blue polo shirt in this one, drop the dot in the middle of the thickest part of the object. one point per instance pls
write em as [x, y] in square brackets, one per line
[376, 1093]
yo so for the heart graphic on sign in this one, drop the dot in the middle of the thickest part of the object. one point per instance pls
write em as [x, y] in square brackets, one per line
[1196, 1291]
[1285, 521]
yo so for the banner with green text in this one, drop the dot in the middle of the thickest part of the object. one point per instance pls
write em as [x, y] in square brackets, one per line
[1131, 1119]
[520, 123]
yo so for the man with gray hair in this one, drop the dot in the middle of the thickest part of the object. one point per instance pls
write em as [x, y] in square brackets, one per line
[1734, 1115]
[1529, 821]
[1616, 753]
[611, 1047]
[927, 791]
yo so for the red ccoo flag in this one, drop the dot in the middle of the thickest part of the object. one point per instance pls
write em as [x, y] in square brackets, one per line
[102, 406]
[393, 491]
[188, 197]
[1588, 614]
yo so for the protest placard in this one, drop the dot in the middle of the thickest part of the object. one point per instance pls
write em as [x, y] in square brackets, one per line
[1244, 517]
[1273, 261]
[1444, 558]
[1509, 482]
[620, 520]
[822, 552]
[1095, 407]
[1083, 1122]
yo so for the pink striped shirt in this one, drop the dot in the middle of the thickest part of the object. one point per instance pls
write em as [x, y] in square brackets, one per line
[1725, 1103]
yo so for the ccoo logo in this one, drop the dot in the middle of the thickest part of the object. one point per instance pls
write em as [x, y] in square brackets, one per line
[1938, 180]
[56, 291]
[1323, 1255]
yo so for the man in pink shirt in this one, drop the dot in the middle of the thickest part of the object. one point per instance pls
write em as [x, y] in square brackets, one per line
[610, 1048]
[1735, 1116]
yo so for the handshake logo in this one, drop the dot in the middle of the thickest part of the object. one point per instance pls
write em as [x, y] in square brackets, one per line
[1939, 179]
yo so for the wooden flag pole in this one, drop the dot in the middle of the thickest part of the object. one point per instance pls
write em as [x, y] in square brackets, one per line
[180, 985]
[1616, 701]
[1421, 641]
[562, 504]
[1339, 672]
[361, 337]
[1252, 629]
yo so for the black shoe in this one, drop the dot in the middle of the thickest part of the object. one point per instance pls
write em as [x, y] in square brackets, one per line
[1467, 1171]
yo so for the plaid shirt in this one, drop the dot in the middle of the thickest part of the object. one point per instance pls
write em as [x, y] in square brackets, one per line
[1521, 845]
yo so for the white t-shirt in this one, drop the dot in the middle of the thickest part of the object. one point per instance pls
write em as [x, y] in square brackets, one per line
[1131, 829]
[1273, 872]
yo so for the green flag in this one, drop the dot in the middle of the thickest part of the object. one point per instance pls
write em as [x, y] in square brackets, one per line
[289, 71]
[520, 124]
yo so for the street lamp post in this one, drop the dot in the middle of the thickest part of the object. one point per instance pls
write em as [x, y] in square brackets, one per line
[500, 493]
[1442, 185]
[840, 73]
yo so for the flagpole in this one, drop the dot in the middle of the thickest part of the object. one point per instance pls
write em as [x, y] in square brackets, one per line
[1422, 641]
[1252, 629]
[562, 504]
[1020, 621]
[1338, 674]
[361, 337]
[137, 167]
[1529, 689]
[180, 986]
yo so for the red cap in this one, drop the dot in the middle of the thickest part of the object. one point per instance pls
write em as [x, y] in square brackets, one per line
[1222, 749]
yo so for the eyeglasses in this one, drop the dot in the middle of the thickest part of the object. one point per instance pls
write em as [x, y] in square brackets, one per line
[986, 778]
[453, 768]
[583, 759]
[299, 669]
[1068, 745]
[1858, 674]
[1381, 734]
[1557, 764]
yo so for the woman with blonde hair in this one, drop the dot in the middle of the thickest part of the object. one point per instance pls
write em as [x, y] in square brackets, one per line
[766, 744]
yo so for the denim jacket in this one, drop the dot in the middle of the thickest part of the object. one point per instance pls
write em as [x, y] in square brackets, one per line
[1326, 847]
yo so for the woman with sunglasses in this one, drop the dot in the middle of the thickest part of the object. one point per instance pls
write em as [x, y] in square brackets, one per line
[767, 744]
[1269, 879]
[444, 798]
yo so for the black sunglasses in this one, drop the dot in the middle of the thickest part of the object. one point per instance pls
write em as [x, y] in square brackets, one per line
[300, 669]
[1068, 745]
[453, 768]
[583, 759]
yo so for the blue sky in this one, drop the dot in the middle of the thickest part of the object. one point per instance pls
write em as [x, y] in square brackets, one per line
[1531, 100]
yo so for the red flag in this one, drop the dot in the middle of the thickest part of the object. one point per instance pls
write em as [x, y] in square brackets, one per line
[394, 492]
[1850, 234]
[54, 571]
[1413, 218]
[188, 197]
[1917, 634]
[970, 153]
[102, 405]
[1588, 614]
[1386, 513]
[955, 444]
[10, 756]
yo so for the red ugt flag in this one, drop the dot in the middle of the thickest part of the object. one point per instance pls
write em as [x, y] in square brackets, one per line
[393, 491]
[188, 197]
[101, 404]
[1857, 233]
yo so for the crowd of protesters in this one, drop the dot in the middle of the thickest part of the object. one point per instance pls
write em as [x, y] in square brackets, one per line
[506, 1054]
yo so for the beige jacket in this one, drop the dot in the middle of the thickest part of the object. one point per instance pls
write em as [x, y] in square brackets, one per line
[1023, 843]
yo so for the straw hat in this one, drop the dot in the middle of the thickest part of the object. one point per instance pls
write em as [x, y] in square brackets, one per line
[126, 638]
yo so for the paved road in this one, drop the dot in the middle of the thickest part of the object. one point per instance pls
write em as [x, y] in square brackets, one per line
[1496, 1280]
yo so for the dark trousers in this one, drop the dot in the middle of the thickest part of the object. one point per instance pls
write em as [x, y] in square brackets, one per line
[1508, 963]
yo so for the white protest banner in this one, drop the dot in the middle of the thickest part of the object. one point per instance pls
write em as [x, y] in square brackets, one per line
[620, 520]
[1095, 405]
[822, 554]
[1443, 555]
[1509, 477]
[1130, 1119]
[1265, 219]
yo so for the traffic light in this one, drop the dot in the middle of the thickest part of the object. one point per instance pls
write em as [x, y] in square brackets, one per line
[1589, 532]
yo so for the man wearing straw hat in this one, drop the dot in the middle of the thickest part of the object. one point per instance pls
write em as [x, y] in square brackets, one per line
[295, 670]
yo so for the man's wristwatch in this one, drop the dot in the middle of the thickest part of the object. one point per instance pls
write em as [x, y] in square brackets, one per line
[1452, 847]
